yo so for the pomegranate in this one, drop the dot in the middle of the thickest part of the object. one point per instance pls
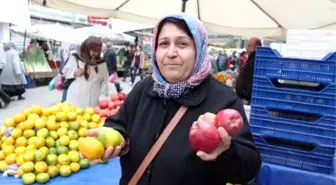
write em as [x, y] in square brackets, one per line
[103, 104]
[114, 98]
[111, 105]
[230, 120]
[203, 136]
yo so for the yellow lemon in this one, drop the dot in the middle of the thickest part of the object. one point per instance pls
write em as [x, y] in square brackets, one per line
[33, 117]
[9, 149]
[29, 133]
[82, 131]
[2, 155]
[52, 125]
[74, 156]
[42, 133]
[41, 167]
[9, 122]
[16, 133]
[20, 150]
[74, 145]
[63, 159]
[62, 131]
[53, 134]
[72, 116]
[64, 140]
[29, 156]
[64, 124]
[75, 167]
[3, 166]
[28, 124]
[52, 171]
[28, 167]
[95, 118]
[21, 141]
[93, 125]
[65, 170]
[20, 160]
[10, 159]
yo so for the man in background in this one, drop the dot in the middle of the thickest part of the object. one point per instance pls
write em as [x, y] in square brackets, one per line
[3, 96]
[110, 58]
[129, 53]
[245, 79]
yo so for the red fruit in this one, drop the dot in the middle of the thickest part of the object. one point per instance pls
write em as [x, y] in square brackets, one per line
[121, 102]
[230, 120]
[114, 112]
[111, 105]
[103, 118]
[122, 96]
[103, 104]
[104, 113]
[207, 117]
[97, 110]
[117, 103]
[204, 137]
[114, 98]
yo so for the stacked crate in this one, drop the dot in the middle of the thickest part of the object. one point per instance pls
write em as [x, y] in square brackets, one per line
[293, 114]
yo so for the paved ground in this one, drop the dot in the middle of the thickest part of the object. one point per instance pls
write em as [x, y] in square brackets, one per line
[42, 96]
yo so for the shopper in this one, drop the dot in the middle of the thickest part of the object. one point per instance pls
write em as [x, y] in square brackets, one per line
[245, 79]
[88, 73]
[129, 53]
[110, 58]
[3, 96]
[137, 64]
[13, 78]
[181, 77]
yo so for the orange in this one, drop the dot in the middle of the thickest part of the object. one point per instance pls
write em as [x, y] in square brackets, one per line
[91, 148]
[41, 167]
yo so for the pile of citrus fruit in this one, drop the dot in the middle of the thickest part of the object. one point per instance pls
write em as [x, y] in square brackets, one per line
[42, 143]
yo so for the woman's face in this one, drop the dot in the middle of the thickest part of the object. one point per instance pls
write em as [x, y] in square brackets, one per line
[94, 54]
[175, 53]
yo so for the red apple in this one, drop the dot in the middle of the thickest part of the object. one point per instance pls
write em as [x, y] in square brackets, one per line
[103, 104]
[97, 110]
[204, 137]
[104, 113]
[122, 96]
[111, 105]
[117, 103]
[114, 98]
[207, 117]
[230, 120]
[121, 102]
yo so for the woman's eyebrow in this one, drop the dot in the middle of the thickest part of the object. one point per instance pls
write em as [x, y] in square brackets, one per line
[178, 37]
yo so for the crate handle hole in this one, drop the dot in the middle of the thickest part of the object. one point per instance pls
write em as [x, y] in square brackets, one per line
[293, 115]
[304, 146]
[299, 85]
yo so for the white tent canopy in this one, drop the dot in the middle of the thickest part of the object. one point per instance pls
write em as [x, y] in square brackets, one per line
[103, 31]
[265, 18]
[15, 12]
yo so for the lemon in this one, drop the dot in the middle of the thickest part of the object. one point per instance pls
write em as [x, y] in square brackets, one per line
[79, 111]
[28, 167]
[29, 133]
[93, 125]
[63, 159]
[20, 150]
[52, 125]
[64, 140]
[75, 126]
[95, 118]
[84, 163]
[52, 150]
[28, 178]
[9, 149]
[72, 134]
[43, 132]
[53, 134]
[16, 133]
[33, 117]
[61, 116]
[42, 178]
[3, 166]
[84, 124]
[41, 167]
[65, 170]
[50, 142]
[9, 122]
[31, 148]
[72, 116]
[2, 155]
[62, 131]
[74, 156]
[87, 117]
[28, 124]
[82, 131]
[40, 123]
[21, 141]
[62, 150]
[10, 159]
[64, 124]
[39, 155]
[9, 140]
[20, 160]
[52, 171]
[52, 159]
[74, 145]
[29, 156]
[75, 167]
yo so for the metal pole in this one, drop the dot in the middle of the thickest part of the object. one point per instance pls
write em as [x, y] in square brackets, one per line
[184, 3]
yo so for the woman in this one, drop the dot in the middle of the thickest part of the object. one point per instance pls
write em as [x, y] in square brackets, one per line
[137, 64]
[13, 78]
[181, 76]
[129, 53]
[88, 73]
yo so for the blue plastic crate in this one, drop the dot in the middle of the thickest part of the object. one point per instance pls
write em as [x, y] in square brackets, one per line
[319, 160]
[30, 83]
[265, 93]
[269, 63]
[311, 129]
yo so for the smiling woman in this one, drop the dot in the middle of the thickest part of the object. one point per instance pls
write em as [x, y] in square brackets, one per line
[150, 153]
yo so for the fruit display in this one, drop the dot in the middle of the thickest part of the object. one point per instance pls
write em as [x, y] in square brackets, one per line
[41, 143]
[226, 78]
[111, 106]
[203, 134]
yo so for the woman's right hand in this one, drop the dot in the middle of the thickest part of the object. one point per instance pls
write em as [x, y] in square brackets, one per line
[79, 72]
[110, 152]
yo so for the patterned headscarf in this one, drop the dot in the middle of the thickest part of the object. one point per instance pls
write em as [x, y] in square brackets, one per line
[202, 66]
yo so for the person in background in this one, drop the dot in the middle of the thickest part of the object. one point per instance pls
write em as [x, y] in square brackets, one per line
[90, 75]
[181, 77]
[245, 78]
[13, 78]
[3, 96]
[242, 60]
[221, 62]
[137, 65]
[31, 45]
[129, 53]
[65, 55]
[110, 58]
[213, 58]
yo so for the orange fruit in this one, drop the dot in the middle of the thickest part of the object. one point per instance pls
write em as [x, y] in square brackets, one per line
[41, 167]
[91, 148]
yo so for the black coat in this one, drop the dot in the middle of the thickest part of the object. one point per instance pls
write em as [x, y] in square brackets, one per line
[110, 58]
[244, 82]
[143, 117]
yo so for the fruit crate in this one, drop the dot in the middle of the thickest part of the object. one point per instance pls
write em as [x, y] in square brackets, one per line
[306, 97]
[30, 83]
[269, 63]
[298, 126]
[281, 151]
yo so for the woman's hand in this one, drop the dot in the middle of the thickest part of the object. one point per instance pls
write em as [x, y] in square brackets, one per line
[79, 72]
[110, 152]
[223, 145]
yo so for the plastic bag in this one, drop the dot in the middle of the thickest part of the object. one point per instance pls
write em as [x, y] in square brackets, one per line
[59, 82]
[52, 83]
[113, 78]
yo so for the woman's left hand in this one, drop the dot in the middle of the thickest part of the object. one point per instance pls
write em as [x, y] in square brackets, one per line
[223, 145]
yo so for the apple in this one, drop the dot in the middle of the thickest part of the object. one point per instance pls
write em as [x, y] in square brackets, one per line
[204, 136]
[114, 98]
[97, 110]
[207, 117]
[103, 104]
[117, 103]
[122, 96]
[230, 120]
[111, 105]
